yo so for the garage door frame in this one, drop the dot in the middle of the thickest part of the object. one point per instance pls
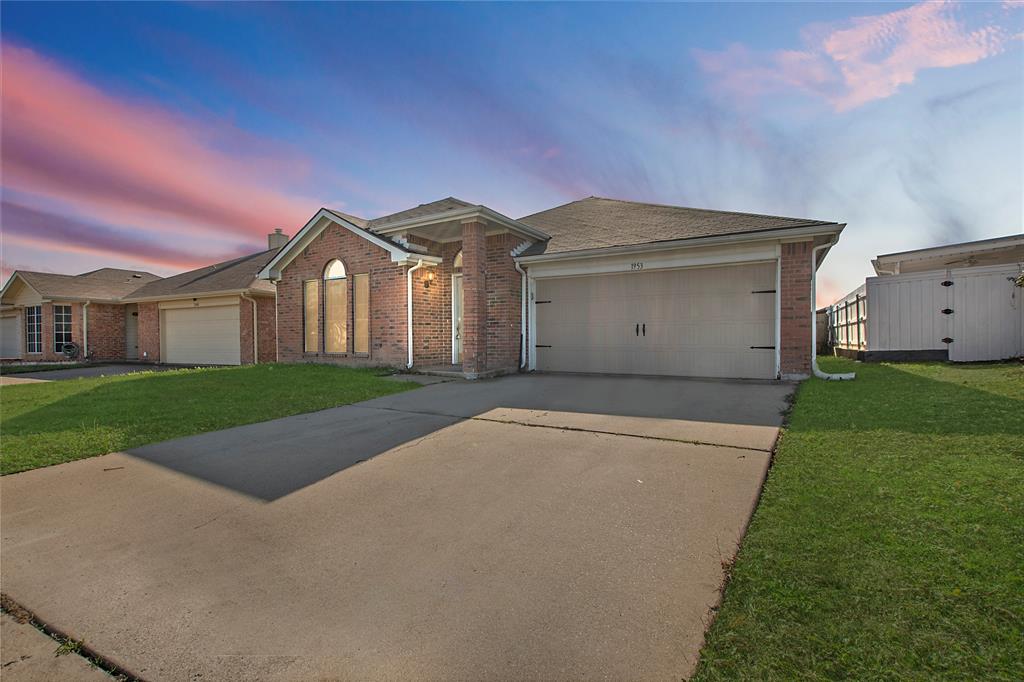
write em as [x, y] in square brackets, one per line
[676, 259]
[198, 303]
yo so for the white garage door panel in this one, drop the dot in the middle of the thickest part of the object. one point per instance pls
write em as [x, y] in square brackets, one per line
[10, 337]
[698, 322]
[202, 336]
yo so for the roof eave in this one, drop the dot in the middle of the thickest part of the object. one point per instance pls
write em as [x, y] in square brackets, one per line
[201, 294]
[691, 242]
[483, 212]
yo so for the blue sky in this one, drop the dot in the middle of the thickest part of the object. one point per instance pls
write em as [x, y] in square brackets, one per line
[165, 136]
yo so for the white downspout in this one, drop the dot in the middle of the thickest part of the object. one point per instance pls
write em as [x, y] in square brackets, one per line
[408, 309]
[814, 320]
[85, 330]
[255, 330]
[522, 316]
[277, 339]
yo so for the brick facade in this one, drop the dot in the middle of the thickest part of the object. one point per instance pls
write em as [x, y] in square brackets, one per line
[149, 332]
[387, 299]
[474, 298]
[106, 331]
[266, 343]
[504, 310]
[795, 309]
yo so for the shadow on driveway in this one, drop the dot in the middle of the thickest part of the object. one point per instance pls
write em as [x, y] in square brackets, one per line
[272, 459]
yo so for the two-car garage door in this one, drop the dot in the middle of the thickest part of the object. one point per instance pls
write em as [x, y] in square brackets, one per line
[702, 322]
[201, 336]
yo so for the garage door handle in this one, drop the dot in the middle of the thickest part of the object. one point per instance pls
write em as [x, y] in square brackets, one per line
[645, 329]
[638, 329]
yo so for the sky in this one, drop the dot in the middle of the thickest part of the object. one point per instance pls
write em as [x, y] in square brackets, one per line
[163, 137]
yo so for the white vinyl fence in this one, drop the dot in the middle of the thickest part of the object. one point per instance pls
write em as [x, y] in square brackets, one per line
[976, 313]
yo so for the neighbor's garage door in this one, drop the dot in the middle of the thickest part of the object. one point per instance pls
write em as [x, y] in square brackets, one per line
[10, 337]
[201, 336]
[703, 322]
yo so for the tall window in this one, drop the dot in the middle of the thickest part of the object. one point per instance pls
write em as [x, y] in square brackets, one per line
[361, 294]
[311, 315]
[335, 308]
[61, 327]
[34, 329]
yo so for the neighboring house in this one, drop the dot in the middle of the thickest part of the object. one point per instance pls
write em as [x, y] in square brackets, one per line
[597, 285]
[205, 316]
[957, 302]
[41, 311]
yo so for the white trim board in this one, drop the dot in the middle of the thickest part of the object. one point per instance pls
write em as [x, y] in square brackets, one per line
[317, 224]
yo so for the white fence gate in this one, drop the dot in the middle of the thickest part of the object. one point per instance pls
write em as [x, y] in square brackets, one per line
[977, 313]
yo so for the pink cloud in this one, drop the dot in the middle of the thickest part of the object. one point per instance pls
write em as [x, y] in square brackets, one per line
[128, 163]
[862, 59]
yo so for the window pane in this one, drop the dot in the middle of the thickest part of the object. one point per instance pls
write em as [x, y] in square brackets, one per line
[335, 314]
[361, 291]
[61, 327]
[310, 315]
[34, 329]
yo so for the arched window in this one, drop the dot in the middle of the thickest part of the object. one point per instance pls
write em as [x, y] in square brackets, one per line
[335, 308]
[458, 260]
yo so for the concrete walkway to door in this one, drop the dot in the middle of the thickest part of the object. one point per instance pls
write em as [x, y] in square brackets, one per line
[529, 526]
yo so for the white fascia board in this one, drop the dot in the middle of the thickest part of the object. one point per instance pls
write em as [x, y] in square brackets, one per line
[669, 259]
[763, 236]
[179, 296]
[466, 213]
[310, 230]
[981, 246]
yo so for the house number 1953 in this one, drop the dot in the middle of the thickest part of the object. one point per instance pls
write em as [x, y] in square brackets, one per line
[636, 266]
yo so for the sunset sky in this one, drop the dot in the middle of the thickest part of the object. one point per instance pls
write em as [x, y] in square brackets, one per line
[168, 136]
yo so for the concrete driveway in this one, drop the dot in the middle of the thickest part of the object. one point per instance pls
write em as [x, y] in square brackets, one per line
[530, 526]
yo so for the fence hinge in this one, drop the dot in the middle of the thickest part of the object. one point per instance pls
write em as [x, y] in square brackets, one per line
[947, 311]
[947, 283]
[947, 340]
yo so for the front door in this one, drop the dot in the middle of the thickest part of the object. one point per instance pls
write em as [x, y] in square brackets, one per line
[131, 332]
[456, 319]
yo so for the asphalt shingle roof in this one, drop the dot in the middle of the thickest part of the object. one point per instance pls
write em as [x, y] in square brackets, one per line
[105, 284]
[231, 275]
[596, 223]
[440, 206]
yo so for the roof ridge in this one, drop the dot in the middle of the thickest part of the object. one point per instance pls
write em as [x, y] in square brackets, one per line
[709, 210]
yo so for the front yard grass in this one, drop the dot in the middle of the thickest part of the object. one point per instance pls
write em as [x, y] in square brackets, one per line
[61, 421]
[889, 540]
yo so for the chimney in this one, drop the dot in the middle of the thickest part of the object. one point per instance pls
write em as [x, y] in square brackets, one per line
[276, 239]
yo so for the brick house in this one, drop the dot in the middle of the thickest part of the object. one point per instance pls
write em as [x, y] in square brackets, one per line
[596, 285]
[204, 316]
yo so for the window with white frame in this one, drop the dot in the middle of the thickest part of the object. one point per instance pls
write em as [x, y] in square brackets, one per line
[61, 327]
[34, 329]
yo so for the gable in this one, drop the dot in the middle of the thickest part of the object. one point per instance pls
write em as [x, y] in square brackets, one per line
[323, 219]
[18, 292]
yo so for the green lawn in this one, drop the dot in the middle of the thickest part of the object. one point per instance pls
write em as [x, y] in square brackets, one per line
[889, 541]
[21, 369]
[61, 421]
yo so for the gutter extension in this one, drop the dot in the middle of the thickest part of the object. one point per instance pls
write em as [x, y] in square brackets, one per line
[814, 320]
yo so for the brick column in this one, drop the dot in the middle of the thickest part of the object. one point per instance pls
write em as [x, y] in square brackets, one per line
[795, 309]
[149, 332]
[474, 292]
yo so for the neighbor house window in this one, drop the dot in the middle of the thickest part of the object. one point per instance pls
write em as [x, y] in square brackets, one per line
[34, 329]
[361, 294]
[61, 327]
[335, 308]
[310, 315]
[458, 260]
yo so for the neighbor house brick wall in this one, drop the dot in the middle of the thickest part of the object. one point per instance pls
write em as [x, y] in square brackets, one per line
[266, 343]
[266, 319]
[149, 332]
[106, 331]
[474, 295]
[387, 299]
[795, 304]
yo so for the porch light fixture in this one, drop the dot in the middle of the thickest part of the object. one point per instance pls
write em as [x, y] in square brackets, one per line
[428, 278]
